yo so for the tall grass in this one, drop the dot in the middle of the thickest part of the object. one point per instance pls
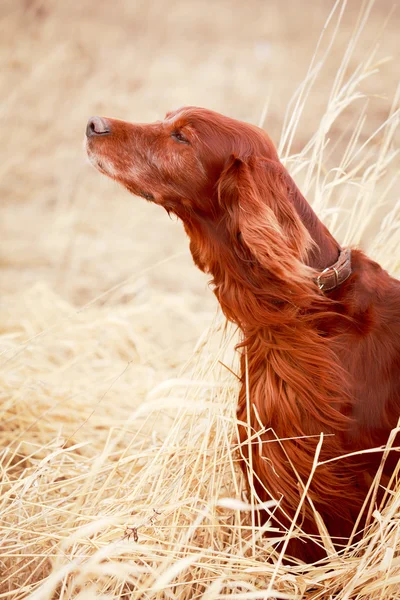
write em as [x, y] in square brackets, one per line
[119, 476]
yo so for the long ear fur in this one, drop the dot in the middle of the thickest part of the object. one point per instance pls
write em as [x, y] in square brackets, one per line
[268, 221]
[256, 195]
[268, 245]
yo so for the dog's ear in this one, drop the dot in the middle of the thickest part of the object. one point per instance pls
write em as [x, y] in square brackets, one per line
[256, 195]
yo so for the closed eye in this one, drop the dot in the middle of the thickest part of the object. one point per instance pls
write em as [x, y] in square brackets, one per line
[146, 195]
[179, 137]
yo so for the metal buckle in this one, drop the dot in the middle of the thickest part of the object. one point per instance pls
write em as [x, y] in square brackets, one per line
[319, 284]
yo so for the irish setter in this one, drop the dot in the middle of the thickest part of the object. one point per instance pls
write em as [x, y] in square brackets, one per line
[321, 325]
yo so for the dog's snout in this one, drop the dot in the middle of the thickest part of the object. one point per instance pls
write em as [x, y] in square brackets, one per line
[97, 126]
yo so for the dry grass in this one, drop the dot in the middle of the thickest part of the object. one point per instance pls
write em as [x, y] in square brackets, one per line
[118, 463]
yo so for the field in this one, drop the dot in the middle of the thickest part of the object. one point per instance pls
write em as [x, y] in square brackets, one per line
[117, 386]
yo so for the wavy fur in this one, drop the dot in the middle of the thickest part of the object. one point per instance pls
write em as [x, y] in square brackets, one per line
[310, 362]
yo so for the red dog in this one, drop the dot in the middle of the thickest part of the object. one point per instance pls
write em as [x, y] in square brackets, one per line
[321, 325]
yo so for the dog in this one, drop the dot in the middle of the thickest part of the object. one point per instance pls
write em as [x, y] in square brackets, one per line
[320, 351]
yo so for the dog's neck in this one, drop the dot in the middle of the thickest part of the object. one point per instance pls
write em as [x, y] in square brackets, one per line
[326, 249]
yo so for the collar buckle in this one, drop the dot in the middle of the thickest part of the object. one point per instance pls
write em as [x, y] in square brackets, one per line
[333, 276]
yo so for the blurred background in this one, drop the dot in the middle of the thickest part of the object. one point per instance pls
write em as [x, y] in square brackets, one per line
[61, 62]
[101, 306]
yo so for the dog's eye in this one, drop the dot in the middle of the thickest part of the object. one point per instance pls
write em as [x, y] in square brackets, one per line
[146, 195]
[179, 137]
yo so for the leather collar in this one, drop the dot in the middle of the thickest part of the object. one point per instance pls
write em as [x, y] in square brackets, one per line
[333, 276]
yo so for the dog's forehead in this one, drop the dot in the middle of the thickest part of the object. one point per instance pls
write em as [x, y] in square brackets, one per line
[176, 115]
[192, 114]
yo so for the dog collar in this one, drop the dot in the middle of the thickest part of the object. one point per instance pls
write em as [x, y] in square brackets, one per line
[333, 276]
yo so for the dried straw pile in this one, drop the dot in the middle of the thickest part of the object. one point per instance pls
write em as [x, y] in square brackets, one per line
[118, 468]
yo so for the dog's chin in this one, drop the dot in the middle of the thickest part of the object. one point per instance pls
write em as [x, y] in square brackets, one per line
[90, 155]
[99, 164]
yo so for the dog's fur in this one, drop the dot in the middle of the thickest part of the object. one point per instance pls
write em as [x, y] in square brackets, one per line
[315, 362]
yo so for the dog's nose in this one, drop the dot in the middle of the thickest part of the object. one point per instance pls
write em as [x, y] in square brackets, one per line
[97, 126]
